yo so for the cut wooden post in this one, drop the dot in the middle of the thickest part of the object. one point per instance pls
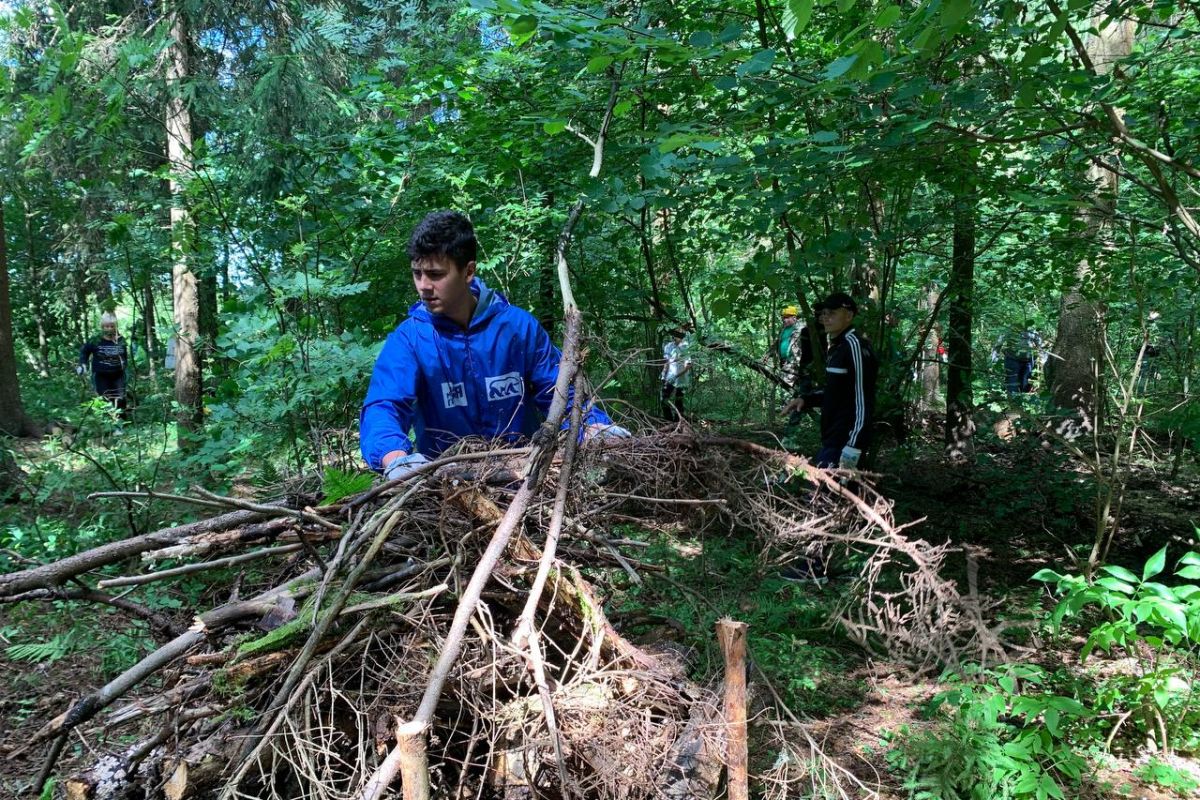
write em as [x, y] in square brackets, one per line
[414, 762]
[732, 637]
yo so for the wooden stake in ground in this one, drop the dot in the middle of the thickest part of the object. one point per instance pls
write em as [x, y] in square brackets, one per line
[732, 637]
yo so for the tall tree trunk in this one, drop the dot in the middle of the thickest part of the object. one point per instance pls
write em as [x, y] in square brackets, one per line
[665, 220]
[38, 295]
[865, 283]
[548, 305]
[13, 419]
[151, 325]
[960, 428]
[1075, 368]
[930, 368]
[186, 295]
[208, 317]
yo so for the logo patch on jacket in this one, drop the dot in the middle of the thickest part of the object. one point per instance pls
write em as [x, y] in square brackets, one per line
[504, 387]
[454, 394]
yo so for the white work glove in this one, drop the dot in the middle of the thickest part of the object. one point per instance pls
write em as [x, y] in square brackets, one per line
[849, 459]
[79, 369]
[403, 465]
[612, 432]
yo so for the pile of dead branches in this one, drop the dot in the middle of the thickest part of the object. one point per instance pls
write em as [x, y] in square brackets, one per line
[436, 633]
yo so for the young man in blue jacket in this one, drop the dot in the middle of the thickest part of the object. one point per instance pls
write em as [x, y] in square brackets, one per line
[465, 363]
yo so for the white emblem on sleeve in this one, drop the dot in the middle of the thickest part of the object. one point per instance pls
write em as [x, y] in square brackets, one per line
[505, 387]
[454, 394]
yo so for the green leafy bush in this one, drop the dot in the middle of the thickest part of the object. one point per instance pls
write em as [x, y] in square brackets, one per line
[998, 734]
[1157, 628]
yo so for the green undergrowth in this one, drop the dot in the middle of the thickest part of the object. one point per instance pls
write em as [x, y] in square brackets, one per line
[809, 663]
[1032, 731]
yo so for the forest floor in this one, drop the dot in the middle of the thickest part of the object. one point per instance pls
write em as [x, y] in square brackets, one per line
[1019, 508]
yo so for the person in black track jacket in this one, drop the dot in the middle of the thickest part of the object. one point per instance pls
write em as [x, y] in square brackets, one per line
[848, 400]
[108, 357]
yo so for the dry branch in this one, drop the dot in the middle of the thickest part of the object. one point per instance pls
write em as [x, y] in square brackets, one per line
[59, 572]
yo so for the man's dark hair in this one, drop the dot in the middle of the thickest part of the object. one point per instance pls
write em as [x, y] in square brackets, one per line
[444, 233]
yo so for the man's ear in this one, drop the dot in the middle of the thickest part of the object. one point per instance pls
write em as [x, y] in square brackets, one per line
[469, 270]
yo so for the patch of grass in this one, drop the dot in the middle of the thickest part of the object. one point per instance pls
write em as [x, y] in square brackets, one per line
[809, 663]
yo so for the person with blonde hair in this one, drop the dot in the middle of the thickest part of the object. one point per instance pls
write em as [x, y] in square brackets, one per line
[108, 357]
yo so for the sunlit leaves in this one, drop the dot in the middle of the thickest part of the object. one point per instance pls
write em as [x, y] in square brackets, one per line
[796, 15]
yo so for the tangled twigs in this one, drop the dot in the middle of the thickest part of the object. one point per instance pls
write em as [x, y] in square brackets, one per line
[525, 636]
[304, 695]
[88, 706]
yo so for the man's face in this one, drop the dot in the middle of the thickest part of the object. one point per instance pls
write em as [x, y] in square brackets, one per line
[444, 288]
[109, 329]
[788, 320]
[836, 320]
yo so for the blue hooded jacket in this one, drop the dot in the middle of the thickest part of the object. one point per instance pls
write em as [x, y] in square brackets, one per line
[495, 380]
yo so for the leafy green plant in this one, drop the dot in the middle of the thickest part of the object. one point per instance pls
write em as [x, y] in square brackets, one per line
[339, 484]
[1168, 776]
[47, 651]
[1001, 735]
[122, 650]
[1157, 626]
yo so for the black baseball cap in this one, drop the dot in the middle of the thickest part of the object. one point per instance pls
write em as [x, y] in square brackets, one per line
[838, 300]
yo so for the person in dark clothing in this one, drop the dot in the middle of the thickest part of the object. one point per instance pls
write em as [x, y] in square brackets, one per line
[848, 400]
[108, 357]
[1020, 348]
[847, 409]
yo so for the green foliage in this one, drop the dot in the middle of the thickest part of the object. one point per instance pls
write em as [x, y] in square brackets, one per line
[998, 734]
[1154, 624]
[1168, 776]
[788, 637]
[339, 485]
[49, 650]
[124, 648]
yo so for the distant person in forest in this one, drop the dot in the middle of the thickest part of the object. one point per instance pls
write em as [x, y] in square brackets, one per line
[1019, 346]
[798, 361]
[676, 375]
[783, 350]
[107, 356]
[796, 355]
[847, 401]
[464, 363]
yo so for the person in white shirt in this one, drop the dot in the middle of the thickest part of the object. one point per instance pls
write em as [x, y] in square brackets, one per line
[676, 375]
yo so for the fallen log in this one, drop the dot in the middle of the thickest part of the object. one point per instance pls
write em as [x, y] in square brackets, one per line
[58, 573]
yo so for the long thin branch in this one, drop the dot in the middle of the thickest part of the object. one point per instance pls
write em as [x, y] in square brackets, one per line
[59, 572]
[188, 569]
[88, 706]
[525, 635]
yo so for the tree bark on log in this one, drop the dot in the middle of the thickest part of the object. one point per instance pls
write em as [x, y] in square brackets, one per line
[732, 637]
[59, 572]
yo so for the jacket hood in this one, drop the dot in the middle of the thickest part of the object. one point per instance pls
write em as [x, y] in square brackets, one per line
[491, 303]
